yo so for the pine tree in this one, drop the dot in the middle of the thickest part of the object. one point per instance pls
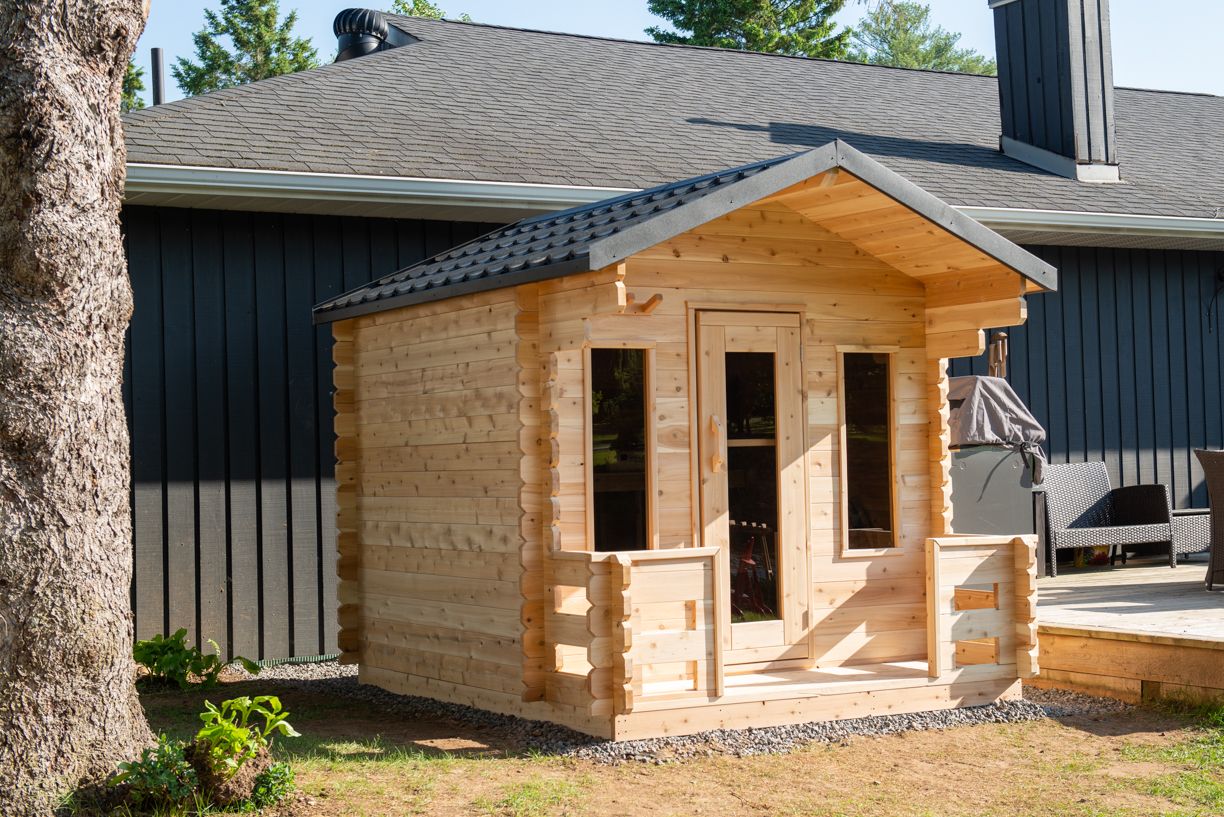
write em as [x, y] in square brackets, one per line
[133, 84]
[263, 46]
[797, 27]
[900, 33]
[423, 8]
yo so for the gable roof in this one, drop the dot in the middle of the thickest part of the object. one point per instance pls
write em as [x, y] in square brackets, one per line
[476, 102]
[598, 235]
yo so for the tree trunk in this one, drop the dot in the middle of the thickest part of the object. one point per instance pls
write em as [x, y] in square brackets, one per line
[68, 705]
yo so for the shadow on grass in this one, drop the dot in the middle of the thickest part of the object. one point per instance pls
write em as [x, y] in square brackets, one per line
[334, 728]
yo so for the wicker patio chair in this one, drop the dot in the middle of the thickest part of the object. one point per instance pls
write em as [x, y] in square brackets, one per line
[1213, 467]
[1083, 510]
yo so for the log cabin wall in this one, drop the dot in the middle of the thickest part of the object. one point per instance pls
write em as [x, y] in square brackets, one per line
[864, 609]
[437, 562]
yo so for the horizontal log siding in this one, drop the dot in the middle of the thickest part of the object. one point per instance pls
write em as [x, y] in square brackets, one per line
[228, 394]
[1119, 364]
[438, 543]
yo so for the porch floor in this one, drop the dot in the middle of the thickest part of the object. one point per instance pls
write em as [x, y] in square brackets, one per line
[1143, 599]
[1137, 632]
[798, 683]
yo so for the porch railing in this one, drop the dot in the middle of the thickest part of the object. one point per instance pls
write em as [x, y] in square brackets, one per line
[632, 626]
[982, 603]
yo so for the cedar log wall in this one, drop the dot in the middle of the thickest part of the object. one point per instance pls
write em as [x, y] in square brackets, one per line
[228, 393]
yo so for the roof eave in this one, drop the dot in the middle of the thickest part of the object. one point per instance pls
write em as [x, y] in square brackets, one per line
[323, 314]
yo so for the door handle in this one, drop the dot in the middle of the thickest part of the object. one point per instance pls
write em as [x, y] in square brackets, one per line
[718, 462]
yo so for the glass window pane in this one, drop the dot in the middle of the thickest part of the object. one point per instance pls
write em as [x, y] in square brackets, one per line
[750, 396]
[618, 456]
[752, 485]
[868, 478]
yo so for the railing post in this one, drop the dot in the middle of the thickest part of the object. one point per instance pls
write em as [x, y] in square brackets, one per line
[621, 604]
[1026, 606]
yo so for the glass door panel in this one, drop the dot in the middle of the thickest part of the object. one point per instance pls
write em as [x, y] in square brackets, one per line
[752, 479]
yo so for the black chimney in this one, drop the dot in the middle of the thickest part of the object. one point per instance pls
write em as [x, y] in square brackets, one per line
[159, 76]
[1056, 90]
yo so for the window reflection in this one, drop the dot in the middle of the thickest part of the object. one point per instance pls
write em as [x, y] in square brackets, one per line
[868, 477]
[618, 443]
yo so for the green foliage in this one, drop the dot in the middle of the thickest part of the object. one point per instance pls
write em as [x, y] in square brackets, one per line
[162, 776]
[272, 785]
[803, 28]
[171, 659]
[230, 734]
[133, 84]
[261, 45]
[900, 33]
[423, 8]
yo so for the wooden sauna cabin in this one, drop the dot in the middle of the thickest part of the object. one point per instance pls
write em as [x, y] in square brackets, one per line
[678, 460]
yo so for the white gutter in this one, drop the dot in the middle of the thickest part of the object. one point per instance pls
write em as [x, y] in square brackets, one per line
[213, 181]
[176, 180]
[1067, 221]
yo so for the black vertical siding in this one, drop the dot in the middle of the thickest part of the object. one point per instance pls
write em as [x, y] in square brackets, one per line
[228, 393]
[1119, 364]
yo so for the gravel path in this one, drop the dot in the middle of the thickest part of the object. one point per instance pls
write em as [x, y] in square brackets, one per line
[330, 678]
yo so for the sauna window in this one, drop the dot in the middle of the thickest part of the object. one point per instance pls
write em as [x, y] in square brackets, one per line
[619, 459]
[868, 444]
[752, 485]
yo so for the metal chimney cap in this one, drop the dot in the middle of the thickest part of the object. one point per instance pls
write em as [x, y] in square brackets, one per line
[361, 21]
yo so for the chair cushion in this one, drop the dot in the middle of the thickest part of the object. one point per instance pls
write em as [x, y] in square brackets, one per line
[1122, 535]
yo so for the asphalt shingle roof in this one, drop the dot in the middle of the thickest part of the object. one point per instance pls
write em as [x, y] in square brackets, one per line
[595, 235]
[476, 102]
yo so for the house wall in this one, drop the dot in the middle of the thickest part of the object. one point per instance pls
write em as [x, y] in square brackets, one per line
[864, 610]
[1120, 365]
[228, 396]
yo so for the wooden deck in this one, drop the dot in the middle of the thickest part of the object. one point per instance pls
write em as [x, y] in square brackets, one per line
[1137, 632]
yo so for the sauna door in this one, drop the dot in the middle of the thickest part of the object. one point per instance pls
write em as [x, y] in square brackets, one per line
[753, 499]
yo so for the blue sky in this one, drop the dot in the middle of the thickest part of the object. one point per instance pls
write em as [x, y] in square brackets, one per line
[1177, 48]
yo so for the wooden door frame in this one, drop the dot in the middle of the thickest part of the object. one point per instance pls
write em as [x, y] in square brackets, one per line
[795, 621]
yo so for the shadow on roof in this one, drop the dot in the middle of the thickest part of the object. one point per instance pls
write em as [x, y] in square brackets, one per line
[794, 135]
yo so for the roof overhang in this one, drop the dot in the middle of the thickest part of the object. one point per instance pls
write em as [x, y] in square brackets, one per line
[503, 202]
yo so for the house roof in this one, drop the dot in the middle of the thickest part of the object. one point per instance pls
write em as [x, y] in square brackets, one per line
[598, 235]
[478, 102]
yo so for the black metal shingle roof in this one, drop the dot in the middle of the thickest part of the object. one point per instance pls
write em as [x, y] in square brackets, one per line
[557, 243]
[593, 236]
[475, 102]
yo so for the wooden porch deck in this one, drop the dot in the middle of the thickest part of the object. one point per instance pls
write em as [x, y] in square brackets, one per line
[1136, 632]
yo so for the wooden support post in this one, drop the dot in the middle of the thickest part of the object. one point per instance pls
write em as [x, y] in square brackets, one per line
[939, 435]
[348, 556]
[533, 469]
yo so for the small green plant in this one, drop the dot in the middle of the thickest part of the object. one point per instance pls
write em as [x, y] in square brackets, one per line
[162, 776]
[272, 785]
[230, 734]
[171, 659]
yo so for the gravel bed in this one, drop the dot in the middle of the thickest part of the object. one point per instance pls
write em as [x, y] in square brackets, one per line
[329, 678]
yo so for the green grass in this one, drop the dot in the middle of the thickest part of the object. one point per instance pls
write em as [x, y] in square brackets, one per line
[537, 797]
[1199, 784]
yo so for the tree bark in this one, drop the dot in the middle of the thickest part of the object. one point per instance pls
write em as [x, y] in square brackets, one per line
[68, 705]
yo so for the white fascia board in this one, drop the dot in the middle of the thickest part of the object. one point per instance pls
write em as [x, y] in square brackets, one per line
[1067, 221]
[212, 181]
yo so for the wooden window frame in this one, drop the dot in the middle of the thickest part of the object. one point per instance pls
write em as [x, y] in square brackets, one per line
[651, 439]
[894, 482]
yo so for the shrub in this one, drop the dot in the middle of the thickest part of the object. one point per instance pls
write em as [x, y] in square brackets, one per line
[272, 785]
[162, 776]
[171, 659]
[232, 736]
